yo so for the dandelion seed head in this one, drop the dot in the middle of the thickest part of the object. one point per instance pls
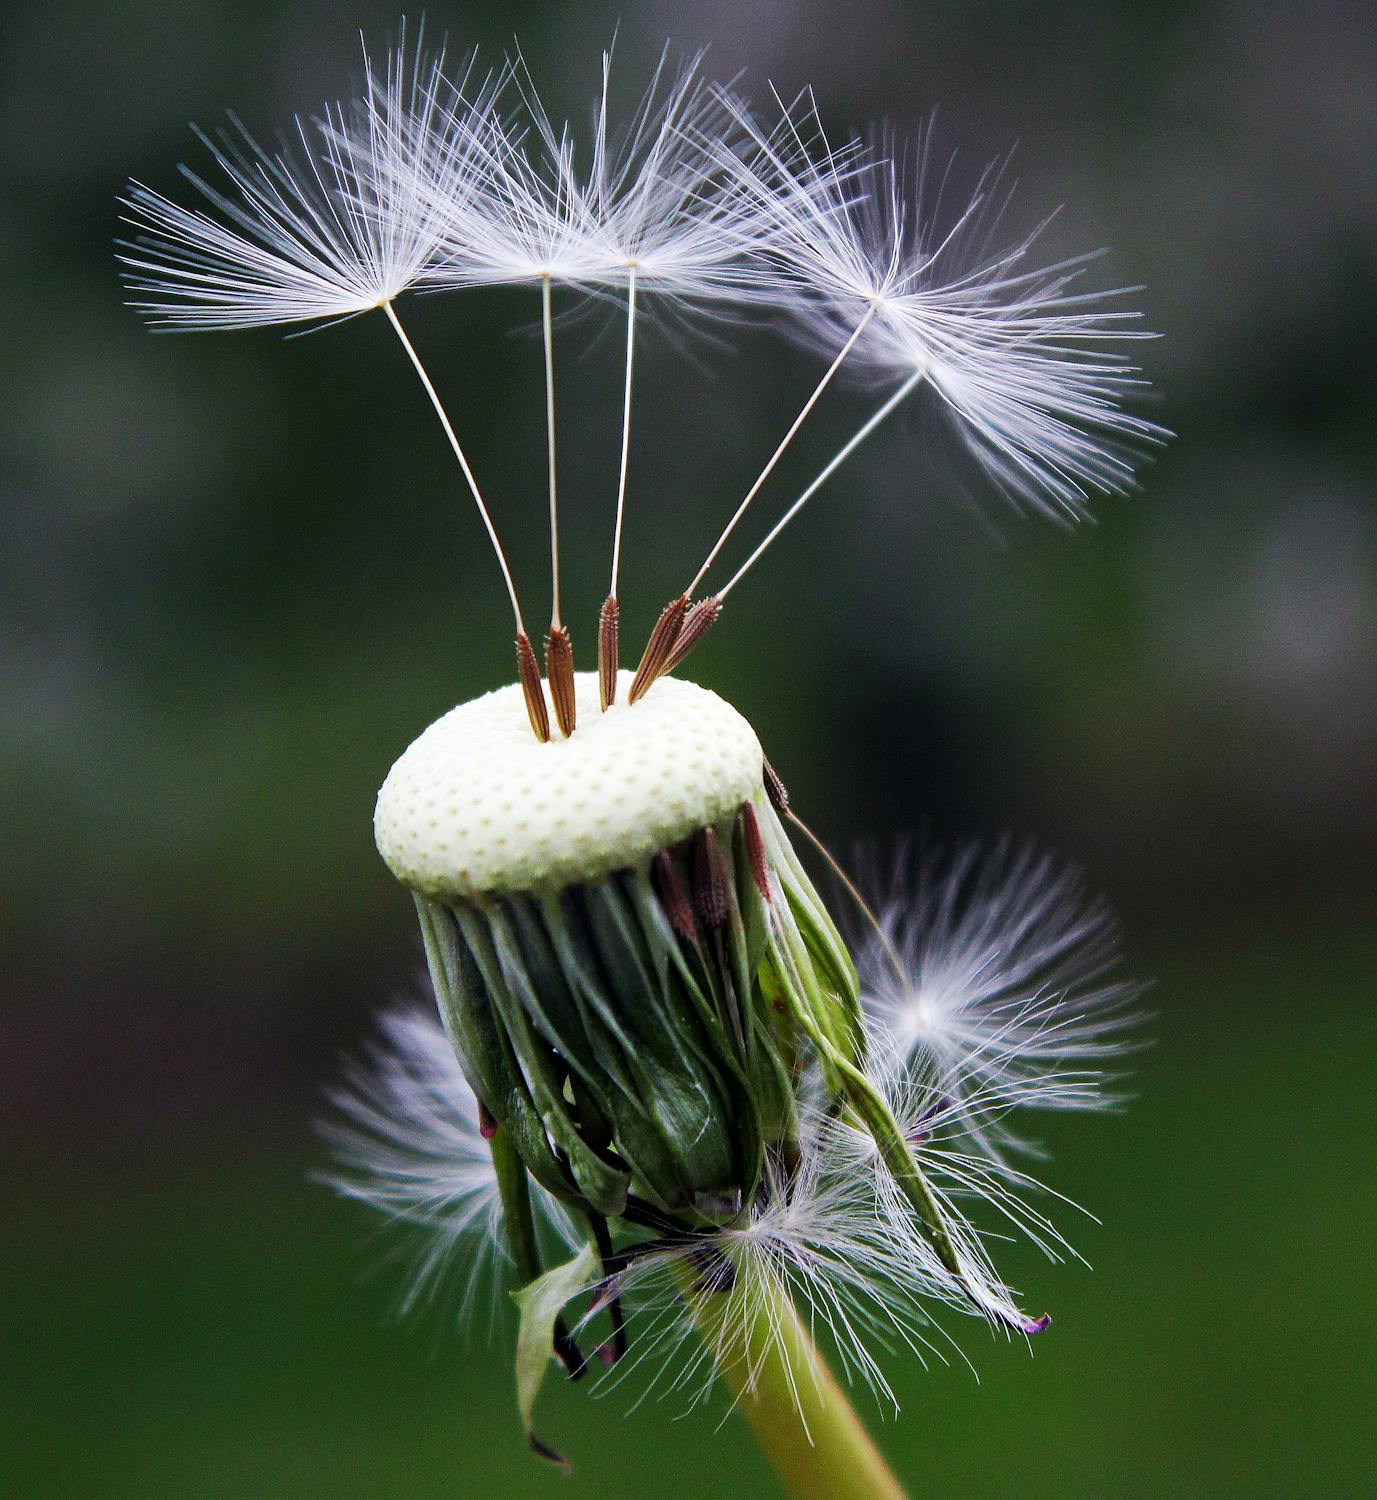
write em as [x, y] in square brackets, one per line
[643, 983]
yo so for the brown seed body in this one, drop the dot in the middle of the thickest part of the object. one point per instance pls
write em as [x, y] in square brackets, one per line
[528, 670]
[609, 623]
[559, 666]
[699, 620]
[659, 646]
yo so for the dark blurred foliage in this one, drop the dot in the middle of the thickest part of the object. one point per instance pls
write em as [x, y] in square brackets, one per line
[238, 575]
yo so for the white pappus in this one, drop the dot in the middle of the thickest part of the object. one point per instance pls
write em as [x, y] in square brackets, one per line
[997, 974]
[407, 1137]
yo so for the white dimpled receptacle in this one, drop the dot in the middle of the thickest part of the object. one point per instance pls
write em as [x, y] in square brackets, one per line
[478, 805]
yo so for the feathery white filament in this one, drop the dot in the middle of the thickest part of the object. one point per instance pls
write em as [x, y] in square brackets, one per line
[655, 198]
[1007, 982]
[336, 225]
[407, 1143]
[660, 199]
[807, 193]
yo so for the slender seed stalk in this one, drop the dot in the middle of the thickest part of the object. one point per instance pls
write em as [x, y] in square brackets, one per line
[626, 428]
[801, 1417]
[775, 457]
[852, 890]
[463, 462]
[547, 325]
[609, 619]
[528, 671]
[845, 452]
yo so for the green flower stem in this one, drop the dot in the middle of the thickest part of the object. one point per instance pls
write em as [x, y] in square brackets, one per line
[512, 1184]
[801, 1417]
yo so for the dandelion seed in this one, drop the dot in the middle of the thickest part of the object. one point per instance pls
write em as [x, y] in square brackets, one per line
[999, 972]
[654, 216]
[339, 225]
[1019, 355]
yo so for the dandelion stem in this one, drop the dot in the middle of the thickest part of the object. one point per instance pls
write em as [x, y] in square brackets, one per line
[547, 323]
[801, 1417]
[775, 457]
[626, 428]
[513, 1186]
[463, 462]
[846, 451]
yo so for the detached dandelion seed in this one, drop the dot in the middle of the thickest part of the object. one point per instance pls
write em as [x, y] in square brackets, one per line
[657, 1091]
[996, 969]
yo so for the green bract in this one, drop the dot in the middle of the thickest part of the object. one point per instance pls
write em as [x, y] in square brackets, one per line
[637, 1033]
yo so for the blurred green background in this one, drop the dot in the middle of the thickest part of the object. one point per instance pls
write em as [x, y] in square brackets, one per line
[237, 576]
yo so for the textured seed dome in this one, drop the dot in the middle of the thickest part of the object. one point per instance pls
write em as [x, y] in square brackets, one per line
[477, 804]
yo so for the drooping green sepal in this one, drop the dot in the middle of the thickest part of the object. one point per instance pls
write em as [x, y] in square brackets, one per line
[541, 1303]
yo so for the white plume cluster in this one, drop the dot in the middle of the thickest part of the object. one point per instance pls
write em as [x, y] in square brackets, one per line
[406, 1136]
[829, 1229]
[459, 182]
[831, 1234]
[1022, 354]
[339, 219]
[996, 973]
